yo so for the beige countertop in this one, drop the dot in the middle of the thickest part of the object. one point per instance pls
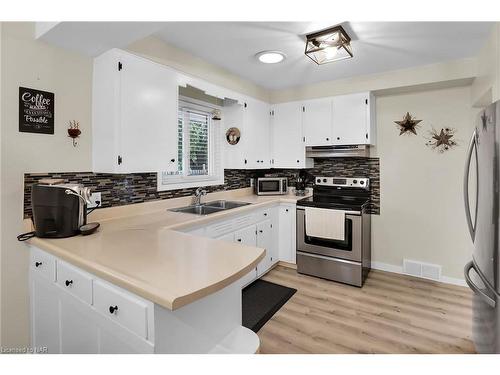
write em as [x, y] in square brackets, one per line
[139, 248]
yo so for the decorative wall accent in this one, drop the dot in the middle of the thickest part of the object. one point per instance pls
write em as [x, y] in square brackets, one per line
[408, 125]
[442, 140]
[36, 111]
[118, 190]
[233, 136]
[74, 131]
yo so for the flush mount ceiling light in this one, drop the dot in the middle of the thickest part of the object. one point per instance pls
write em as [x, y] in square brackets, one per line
[270, 57]
[329, 45]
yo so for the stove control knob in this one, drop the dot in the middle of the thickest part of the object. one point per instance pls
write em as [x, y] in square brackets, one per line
[354, 181]
[318, 180]
[324, 180]
[362, 182]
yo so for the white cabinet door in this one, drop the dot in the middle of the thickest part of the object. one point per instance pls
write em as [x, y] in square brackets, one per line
[234, 155]
[288, 146]
[79, 334]
[317, 122]
[265, 240]
[287, 233]
[148, 116]
[44, 314]
[113, 341]
[247, 236]
[257, 133]
[351, 119]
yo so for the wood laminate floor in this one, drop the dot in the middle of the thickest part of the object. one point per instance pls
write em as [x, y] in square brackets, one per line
[391, 314]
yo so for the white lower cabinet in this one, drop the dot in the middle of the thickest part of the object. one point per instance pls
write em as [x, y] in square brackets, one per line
[70, 312]
[287, 233]
[79, 333]
[272, 228]
[44, 314]
[247, 236]
[114, 320]
[265, 240]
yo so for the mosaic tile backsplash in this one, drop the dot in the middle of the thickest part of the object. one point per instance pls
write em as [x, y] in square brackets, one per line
[118, 190]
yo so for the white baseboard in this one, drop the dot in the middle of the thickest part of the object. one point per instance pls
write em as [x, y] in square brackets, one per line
[399, 269]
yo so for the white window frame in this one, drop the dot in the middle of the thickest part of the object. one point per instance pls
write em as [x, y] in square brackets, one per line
[216, 171]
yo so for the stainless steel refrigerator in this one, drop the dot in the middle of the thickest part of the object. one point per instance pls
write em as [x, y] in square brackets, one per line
[481, 196]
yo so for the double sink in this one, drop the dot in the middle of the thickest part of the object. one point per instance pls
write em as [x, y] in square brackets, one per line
[209, 207]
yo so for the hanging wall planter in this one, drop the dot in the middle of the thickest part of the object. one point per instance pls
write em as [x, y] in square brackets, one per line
[74, 131]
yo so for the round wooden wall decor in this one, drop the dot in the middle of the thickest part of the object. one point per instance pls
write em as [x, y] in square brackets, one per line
[233, 136]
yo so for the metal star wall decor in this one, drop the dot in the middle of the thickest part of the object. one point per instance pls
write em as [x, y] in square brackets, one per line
[408, 125]
[442, 140]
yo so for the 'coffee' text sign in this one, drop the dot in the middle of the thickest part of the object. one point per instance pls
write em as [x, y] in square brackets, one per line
[36, 111]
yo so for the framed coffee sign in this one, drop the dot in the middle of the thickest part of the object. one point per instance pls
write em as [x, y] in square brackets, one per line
[36, 111]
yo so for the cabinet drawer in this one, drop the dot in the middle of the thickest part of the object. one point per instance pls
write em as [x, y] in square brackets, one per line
[122, 307]
[75, 281]
[43, 263]
[264, 214]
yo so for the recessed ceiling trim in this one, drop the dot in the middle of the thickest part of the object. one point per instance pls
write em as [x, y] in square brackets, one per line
[270, 57]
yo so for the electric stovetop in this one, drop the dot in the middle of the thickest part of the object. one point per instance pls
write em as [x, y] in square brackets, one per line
[335, 203]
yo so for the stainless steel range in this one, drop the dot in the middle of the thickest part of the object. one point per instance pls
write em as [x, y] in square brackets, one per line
[337, 245]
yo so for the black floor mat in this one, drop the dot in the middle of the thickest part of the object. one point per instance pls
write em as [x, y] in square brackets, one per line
[261, 300]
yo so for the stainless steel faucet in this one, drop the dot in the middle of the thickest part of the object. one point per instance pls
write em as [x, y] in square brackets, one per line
[198, 194]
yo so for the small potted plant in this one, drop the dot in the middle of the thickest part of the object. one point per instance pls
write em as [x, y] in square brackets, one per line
[74, 131]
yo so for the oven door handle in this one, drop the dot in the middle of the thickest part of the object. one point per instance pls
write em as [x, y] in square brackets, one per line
[357, 213]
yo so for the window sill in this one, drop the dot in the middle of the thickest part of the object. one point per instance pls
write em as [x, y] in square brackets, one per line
[187, 183]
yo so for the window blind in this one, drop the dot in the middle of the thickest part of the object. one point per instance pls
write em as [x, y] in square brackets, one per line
[193, 142]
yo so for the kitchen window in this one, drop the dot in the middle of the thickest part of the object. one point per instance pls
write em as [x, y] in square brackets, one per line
[198, 149]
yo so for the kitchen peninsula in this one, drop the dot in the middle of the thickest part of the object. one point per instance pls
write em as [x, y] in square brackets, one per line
[141, 285]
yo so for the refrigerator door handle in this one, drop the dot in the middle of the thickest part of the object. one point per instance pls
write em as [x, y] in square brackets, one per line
[487, 299]
[472, 147]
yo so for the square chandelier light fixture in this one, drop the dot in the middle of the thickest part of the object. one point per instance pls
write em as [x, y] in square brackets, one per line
[329, 45]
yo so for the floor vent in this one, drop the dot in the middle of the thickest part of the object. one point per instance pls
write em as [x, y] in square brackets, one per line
[420, 269]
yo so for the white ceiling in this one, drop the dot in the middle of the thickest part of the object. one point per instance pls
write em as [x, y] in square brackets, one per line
[377, 47]
[94, 38]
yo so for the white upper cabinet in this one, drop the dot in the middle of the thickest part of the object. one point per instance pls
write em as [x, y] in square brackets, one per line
[253, 151]
[135, 105]
[317, 122]
[352, 119]
[288, 147]
[234, 155]
[339, 120]
[257, 133]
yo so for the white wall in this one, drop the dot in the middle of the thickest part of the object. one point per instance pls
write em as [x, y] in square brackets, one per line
[445, 74]
[486, 86]
[422, 212]
[30, 63]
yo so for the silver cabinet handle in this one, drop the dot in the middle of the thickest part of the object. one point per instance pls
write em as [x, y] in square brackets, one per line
[472, 147]
[487, 299]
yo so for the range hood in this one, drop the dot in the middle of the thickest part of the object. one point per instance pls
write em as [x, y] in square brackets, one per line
[352, 151]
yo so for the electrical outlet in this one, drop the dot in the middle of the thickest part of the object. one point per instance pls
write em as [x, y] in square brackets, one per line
[94, 198]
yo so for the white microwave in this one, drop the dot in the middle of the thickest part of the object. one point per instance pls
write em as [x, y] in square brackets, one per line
[271, 185]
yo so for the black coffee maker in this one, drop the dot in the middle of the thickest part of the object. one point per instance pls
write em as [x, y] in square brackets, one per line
[59, 210]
